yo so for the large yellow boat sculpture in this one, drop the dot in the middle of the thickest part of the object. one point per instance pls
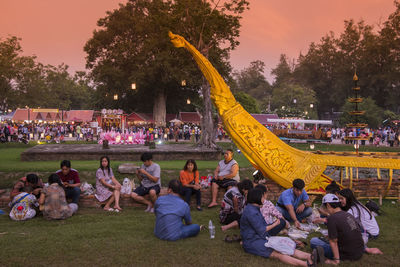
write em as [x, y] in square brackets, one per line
[277, 160]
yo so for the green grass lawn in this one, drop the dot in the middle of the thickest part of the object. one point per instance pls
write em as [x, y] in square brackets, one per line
[94, 237]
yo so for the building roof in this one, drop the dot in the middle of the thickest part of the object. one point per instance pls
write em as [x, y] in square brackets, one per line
[135, 117]
[263, 118]
[187, 117]
[80, 115]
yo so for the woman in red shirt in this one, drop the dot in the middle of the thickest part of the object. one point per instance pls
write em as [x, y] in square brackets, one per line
[189, 178]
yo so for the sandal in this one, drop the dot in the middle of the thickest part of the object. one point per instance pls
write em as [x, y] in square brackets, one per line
[311, 264]
[228, 239]
[109, 209]
[314, 258]
[236, 238]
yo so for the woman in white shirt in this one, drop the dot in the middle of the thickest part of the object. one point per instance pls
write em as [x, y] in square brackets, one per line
[360, 212]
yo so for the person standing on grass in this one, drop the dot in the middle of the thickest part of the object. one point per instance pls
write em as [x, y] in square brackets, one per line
[189, 178]
[150, 182]
[31, 180]
[70, 180]
[294, 203]
[170, 211]
[107, 187]
[226, 175]
[55, 206]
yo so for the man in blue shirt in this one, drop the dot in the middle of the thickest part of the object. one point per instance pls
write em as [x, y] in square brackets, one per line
[170, 210]
[294, 203]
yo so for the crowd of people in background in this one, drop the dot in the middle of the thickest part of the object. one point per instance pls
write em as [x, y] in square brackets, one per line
[24, 132]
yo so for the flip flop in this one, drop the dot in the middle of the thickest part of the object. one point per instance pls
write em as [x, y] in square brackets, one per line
[110, 209]
[314, 258]
[228, 239]
[236, 238]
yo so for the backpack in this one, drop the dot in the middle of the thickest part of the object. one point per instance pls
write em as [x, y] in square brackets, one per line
[373, 207]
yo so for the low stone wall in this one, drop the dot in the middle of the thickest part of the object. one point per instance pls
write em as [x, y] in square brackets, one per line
[367, 188]
[126, 200]
[118, 152]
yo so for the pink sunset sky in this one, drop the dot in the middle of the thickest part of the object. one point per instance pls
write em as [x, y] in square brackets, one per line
[56, 30]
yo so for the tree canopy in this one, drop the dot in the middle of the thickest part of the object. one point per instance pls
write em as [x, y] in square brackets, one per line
[132, 46]
[26, 82]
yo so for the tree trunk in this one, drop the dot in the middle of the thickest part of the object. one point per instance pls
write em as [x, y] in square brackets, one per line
[207, 121]
[159, 108]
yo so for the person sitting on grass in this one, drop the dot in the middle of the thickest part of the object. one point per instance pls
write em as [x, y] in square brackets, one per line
[233, 204]
[294, 203]
[332, 188]
[70, 180]
[31, 180]
[107, 187]
[271, 215]
[150, 182]
[226, 175]
[350, 204]
[254, 230]
[23, 205]
[189, 178]
[170, 210]
[344, 232]
[54, 201]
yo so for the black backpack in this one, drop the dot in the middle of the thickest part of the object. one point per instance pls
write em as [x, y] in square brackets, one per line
[373, 207]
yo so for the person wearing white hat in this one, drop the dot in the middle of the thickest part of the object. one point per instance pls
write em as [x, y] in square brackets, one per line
[344, 233]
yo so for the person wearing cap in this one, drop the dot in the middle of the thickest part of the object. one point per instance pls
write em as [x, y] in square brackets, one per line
[294, 203]
[226, 175]
[344, 233]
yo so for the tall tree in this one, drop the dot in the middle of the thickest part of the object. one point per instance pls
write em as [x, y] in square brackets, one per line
[132, 46]
[293, 100]
[283, 71]
[12, 64]
[248, 102]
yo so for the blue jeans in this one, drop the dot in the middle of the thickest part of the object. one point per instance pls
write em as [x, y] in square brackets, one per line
[274, 231]
[73, 193]
[316, 242]
[190, 230]
[300, 216]
[187, 192]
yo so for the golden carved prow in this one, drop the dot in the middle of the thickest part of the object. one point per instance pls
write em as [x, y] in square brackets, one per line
[277, 160]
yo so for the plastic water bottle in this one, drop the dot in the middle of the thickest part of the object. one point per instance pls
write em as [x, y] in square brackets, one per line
[211, 228]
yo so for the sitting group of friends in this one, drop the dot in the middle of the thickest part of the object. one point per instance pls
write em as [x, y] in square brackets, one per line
[30, 196]
[245, 205]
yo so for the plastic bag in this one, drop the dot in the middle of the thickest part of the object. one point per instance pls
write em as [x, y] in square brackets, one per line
[282, 244]
[297, 234]
[127, 186]
[87, 189]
